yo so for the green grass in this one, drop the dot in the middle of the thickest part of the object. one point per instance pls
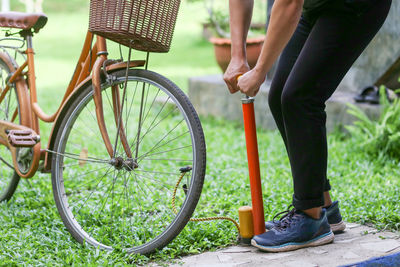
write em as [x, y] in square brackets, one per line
[32, 232]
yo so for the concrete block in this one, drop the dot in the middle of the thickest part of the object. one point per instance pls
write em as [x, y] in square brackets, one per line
[379, 56]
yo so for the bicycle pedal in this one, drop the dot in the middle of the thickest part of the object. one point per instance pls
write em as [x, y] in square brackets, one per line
[22, 138]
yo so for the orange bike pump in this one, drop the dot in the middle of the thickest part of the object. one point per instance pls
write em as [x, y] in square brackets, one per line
[251, 219]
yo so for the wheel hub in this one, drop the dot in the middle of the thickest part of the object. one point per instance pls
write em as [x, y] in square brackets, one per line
[128, 164]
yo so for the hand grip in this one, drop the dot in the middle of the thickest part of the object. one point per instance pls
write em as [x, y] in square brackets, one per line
[245, 98]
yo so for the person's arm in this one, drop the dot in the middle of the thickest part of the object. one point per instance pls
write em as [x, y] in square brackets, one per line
[285, 16]
[240, 12]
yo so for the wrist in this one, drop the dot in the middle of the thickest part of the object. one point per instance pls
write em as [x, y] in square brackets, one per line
[239, 59]
[261, 70]
[238, 54]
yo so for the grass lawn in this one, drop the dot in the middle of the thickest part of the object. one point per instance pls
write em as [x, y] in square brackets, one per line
[32, 232]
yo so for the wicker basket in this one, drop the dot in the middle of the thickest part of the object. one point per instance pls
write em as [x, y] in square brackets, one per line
[148, 23]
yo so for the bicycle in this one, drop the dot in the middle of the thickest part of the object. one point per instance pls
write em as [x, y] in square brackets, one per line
[122, 137]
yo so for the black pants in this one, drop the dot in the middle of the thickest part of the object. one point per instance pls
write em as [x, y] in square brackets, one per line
[321, 51]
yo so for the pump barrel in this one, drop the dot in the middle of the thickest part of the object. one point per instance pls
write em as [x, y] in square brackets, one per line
[254, 165]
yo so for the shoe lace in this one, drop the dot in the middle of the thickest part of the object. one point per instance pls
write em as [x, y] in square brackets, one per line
[284, 213]
[286, 219]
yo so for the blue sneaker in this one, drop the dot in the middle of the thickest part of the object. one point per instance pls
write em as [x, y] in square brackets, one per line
[296, 230]
[335, 218]
[332, 213]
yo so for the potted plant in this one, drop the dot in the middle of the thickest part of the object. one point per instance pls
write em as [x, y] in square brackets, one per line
[217, 27]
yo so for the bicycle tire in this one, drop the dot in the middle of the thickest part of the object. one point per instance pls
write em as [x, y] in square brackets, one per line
[160, 223]
[9, 178]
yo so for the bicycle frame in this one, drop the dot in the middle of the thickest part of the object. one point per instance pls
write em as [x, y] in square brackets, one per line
[30, 111]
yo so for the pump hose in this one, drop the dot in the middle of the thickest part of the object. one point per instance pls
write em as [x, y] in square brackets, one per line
[183, 173]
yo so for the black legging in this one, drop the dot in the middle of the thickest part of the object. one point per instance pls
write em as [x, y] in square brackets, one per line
[321, 51]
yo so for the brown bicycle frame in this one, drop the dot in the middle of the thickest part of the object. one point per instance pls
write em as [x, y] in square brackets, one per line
[30, 111]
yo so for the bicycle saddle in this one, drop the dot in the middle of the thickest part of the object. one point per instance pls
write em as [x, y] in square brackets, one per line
[23, 21]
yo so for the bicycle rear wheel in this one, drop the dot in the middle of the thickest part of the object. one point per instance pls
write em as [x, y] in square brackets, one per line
[110, 203]
[9, 111]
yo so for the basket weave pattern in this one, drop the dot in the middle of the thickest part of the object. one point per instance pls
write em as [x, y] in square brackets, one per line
[149, 24]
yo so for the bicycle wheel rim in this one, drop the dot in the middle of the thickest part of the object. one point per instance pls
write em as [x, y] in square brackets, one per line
[185, 206]
[9, 179]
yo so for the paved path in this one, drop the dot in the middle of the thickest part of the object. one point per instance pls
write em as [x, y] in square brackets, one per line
[357, 243]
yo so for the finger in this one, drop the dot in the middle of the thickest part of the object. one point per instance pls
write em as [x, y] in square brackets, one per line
[234, 84]
[231, 88]
[228, 82]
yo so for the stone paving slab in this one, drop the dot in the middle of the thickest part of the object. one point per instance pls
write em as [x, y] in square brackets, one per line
[357, 243]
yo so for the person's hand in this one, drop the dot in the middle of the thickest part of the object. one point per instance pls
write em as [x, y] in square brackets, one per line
[250, 82]
[235, 68]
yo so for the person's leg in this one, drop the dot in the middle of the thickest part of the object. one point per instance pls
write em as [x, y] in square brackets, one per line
[286, 62]
[334, 43]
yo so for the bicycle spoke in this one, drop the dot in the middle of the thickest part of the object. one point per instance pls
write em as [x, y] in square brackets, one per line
[137, 200]
[152, 103]
[77, 157]
[111, 106]
[169, 173]
[96, 135]
[140, 205]
[170, 150]
[107, 172]
[156, 146]
[108, 195]
[164, 184]
[149, 130]
[124, 201]
[112, 205]
[183, 160]
[95, 124]
[130, 107]
[104, 202]
[152, 123]
[85, 174]
[157, 196]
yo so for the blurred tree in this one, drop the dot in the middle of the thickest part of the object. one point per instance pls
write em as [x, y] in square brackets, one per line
[32, 5]
[5, 5]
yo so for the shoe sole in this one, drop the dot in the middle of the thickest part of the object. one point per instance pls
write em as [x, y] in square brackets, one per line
[335, 227]
[318, 241]
[338, 227]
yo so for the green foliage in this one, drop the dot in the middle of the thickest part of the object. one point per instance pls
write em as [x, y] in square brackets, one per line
[54, 5]
[218, 17]
[378, 137]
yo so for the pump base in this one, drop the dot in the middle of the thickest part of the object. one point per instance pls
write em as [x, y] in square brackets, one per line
[245, 241]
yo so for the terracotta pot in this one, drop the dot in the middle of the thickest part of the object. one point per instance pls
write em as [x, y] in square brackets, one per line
[222, 49]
